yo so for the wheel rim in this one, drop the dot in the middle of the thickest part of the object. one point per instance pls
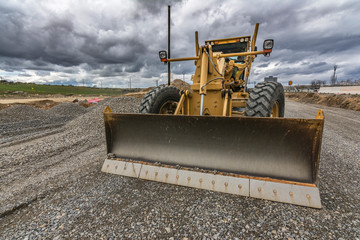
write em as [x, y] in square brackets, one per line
[275, 110]
[168, 107]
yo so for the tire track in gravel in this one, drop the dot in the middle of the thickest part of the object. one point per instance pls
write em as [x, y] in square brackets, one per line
[55, 171]
[21, 136]
[29, 169]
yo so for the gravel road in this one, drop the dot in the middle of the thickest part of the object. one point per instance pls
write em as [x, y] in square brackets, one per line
[52, 187]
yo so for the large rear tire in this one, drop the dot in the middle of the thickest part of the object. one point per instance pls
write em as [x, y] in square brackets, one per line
[266, 100]
[160, 100]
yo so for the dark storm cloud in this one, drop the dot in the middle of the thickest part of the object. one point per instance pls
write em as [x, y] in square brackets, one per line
[154, 7]
[319, 44]
[58, 41]
[307, 69]
[114, 40]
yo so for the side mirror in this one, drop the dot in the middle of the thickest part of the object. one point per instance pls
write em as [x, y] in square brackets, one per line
[268, 46]
[163, 56]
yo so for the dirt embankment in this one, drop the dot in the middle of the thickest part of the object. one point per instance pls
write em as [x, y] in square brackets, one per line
[345, 101]
[44, 104]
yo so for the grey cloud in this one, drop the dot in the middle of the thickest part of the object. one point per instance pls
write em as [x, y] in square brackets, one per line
[263, 65]
[154, 7]
[42, 73]
[122, 39]
[24, 75]
[307, 70]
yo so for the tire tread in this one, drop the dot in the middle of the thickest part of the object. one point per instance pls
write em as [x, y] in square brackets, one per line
[262, 99]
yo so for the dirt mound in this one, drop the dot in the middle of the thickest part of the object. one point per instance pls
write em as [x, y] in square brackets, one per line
[346, 101]
[3, 106]
[44, 104]
[93, 121]
[68, 109]
[180, 84]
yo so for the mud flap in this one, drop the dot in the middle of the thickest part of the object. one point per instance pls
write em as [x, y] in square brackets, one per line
[268, 158]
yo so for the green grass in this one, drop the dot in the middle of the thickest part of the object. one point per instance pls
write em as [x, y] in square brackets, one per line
[8, 88]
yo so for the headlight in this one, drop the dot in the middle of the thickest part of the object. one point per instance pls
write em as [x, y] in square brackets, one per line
[163, 56]
[268, 44]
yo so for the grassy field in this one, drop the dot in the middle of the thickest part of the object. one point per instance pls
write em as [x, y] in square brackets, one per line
[10, 88]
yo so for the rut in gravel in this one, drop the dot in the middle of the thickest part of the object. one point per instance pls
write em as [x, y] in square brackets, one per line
[48, 162]
[23, 123]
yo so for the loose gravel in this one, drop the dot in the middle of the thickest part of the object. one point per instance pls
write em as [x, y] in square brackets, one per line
[22, 123]
[52, 187]
[22, 113]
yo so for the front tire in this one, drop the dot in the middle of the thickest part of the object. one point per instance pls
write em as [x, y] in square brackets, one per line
[266, 100]
[160, 100]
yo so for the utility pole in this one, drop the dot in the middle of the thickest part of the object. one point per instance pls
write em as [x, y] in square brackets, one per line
[130, 83]
[333, 77]
[169, 74]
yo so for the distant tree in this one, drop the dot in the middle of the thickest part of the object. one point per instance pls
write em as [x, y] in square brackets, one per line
[317, 83]
[313, 83]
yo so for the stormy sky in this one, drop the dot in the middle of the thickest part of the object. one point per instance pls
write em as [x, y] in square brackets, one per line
[108, 42]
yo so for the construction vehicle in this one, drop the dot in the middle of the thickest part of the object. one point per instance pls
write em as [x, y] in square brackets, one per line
[220, 136]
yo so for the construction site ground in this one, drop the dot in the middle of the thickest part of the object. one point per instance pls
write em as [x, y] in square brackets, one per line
[45, 102]
[52, 186]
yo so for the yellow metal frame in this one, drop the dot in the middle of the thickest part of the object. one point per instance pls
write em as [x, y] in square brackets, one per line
[212, 91]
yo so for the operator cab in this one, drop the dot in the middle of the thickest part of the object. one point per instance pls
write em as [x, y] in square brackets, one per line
[231, 45]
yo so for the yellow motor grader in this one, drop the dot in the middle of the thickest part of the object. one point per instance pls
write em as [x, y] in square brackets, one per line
[220, 136]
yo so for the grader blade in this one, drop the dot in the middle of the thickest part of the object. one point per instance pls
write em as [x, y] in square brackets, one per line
[269, 158]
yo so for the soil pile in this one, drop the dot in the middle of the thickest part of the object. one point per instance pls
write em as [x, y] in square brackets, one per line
[180, 84]
[346, 101]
